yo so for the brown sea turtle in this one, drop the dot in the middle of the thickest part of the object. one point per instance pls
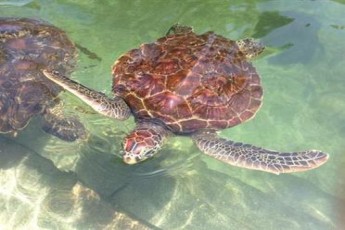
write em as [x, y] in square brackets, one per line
[189, 84]
[27, 46]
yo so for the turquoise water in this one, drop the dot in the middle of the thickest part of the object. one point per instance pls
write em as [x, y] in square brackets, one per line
[46, 183]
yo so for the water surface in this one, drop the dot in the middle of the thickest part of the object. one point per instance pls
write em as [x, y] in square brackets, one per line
[50, 184]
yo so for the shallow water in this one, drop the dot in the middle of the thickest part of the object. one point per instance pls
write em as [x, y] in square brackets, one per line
[46, 183]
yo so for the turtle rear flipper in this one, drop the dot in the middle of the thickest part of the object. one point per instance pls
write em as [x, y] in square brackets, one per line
[251, 157]
[179, 29]
[66, 128]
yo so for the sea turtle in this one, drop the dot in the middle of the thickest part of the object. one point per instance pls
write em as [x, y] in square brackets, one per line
[192, 85]
[27, 46]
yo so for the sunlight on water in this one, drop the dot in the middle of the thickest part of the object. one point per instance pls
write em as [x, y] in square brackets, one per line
[47, 183]
[35, 194]
[15, 2]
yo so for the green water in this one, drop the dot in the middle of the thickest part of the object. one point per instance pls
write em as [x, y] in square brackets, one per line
[46, 183]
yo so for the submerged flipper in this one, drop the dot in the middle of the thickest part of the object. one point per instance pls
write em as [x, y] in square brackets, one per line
[66, 128]
[114, 108]
[251, 157]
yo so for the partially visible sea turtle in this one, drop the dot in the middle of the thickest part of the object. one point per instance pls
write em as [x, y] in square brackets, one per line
[27, 46]
[189, 84]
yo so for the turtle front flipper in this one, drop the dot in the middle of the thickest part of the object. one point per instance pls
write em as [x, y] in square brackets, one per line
[114, 108]
[143, 142]
[251, 157]
[56, 123]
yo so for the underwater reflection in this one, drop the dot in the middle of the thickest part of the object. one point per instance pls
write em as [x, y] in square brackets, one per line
[180, 188]
[36, 194]
[15, 2]
[172, 192]
[278, 30]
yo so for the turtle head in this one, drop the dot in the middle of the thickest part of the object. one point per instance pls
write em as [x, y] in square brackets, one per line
[250, 47]
[143, 143]
[136, 150]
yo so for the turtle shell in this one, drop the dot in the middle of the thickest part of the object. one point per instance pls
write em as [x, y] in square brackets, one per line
[189, 82]
[27, 45]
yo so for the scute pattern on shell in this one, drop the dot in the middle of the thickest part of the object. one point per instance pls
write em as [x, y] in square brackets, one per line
[26, 46]
[189, 82]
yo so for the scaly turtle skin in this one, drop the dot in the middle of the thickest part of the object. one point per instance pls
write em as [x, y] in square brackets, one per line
[193, 85]
[27, 46]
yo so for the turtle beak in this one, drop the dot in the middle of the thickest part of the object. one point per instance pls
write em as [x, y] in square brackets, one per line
[130, 160]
